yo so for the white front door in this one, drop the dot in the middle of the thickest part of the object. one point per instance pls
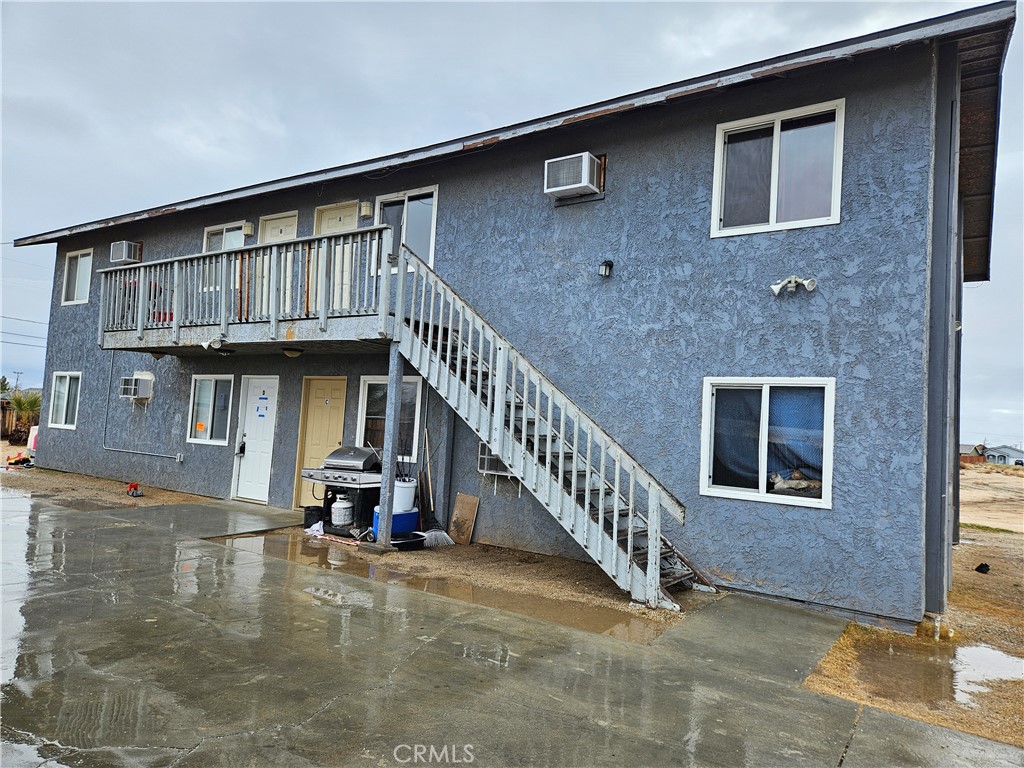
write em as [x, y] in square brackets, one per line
[256, 420]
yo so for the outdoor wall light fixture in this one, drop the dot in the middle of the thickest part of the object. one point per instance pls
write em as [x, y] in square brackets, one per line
[291, 351]
[792, 282]
[365, 209]
[214, 343]
[604, 269]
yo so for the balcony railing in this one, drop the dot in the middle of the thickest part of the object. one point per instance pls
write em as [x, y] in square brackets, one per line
[308, 278]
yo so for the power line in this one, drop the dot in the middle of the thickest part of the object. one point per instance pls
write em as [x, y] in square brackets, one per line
[26, 335]
[23, 320]
[23, 344]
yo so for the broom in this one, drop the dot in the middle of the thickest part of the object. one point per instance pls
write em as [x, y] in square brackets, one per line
[436, 536]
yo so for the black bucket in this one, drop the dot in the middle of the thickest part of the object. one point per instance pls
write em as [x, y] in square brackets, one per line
[311, 515]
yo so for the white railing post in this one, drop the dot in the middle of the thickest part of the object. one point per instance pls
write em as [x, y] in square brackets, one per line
[653, 546]
[321, 284]
[225, 293]
[104, 313]
[177, 293]
[276, 254]
[387, 327]
[141, 302]
[497, 388]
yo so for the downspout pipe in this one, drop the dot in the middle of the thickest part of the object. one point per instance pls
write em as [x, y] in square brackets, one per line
[106, 415]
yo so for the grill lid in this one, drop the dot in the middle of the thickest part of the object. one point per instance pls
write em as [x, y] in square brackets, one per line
[352, 458]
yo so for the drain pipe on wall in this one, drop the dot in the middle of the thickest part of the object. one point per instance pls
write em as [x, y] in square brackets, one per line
[180, 457]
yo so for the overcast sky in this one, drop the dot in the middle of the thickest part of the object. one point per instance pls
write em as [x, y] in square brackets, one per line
[114, 107]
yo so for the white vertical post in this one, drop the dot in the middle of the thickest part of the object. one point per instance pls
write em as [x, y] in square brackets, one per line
[653, 546]
[385, 259]
[177, 294]
[275, 289]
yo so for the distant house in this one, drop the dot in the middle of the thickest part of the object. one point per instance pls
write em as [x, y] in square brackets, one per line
[1004, 454]
[737, 292]
[968, 451]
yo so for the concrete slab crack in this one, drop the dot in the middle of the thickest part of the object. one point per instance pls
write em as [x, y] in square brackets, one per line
[849, 741]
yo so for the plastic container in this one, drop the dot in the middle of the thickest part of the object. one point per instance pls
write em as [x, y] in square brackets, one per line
[405, 494]
[401, 522]
[311, 515]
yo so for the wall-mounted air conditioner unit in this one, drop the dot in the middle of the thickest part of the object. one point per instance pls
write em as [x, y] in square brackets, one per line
[124, 251]
[136, 387]
[572, 176]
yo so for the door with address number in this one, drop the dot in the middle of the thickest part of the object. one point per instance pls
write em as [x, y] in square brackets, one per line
[321, 429]
[255, 443]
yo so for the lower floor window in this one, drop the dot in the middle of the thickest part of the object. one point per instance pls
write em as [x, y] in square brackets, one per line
[210, 409]
[64, 400]
[768, 439]
[373, 398]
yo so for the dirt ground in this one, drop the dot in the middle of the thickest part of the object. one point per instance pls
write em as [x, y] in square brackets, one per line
[985, 609]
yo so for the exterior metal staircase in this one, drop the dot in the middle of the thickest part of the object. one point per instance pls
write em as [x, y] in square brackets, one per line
[599, 494]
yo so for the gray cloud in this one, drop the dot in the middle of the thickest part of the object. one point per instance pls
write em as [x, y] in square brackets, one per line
[113, 107]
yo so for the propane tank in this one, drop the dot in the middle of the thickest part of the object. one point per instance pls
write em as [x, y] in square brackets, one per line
[343, 512]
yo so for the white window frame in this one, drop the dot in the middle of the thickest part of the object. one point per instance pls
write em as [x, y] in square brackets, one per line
[86, 253]
[191, 405]
[759, 494]
[364, 383]
[220, 228]
[265, 220]
[776, 118]
[64, 409]
[390, 198]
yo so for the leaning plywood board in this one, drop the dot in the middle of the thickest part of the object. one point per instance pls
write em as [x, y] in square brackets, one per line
[463, 518]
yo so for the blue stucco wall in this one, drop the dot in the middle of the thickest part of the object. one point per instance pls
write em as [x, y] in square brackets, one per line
[633, 350]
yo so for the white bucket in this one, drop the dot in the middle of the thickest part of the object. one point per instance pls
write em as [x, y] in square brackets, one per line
[405, 495]
[343, 512]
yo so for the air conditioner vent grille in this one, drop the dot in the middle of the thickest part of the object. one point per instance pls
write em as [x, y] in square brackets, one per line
[572, 176]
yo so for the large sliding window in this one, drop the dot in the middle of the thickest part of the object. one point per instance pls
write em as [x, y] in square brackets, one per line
[64, 399]
[778, 171]
[768, 439]
[413, 215]
[224, 237]
[210, 409]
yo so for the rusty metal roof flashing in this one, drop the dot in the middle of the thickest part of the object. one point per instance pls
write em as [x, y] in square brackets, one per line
[996, 19]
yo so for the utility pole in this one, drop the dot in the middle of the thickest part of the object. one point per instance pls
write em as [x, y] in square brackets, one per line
[17, 380]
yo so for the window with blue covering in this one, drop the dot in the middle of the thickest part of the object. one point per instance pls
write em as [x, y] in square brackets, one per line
[768, 439]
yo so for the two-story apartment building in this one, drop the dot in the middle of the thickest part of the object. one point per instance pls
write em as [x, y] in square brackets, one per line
[713, 342]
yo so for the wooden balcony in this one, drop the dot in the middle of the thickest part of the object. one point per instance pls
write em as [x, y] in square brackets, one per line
[299, 292]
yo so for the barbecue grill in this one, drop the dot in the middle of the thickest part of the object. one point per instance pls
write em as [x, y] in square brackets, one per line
[353, 473]
[347, 467]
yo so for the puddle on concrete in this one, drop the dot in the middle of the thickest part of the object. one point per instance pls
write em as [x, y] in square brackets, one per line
[298, 548]
[936, 674]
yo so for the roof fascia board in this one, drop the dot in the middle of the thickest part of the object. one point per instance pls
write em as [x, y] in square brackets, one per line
[952, 24]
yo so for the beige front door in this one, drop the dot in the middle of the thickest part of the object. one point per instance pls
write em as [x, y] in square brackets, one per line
[321, 429]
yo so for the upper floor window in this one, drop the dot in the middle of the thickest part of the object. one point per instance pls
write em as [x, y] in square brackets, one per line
[413, 215]
[77, 274]
[778, 171]
[224, 237]
[768, 439]
[64, 400]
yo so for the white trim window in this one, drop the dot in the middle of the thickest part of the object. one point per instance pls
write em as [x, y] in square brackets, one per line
[224, 237]
[413, 215]
[768, 439]
[77, 276]
[64, 399]
[778, 171]
[210, 409]
[373, 396]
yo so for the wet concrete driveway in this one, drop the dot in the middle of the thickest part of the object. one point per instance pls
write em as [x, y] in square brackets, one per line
[130, 640]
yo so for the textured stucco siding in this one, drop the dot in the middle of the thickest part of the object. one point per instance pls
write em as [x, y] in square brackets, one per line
[631, 350]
